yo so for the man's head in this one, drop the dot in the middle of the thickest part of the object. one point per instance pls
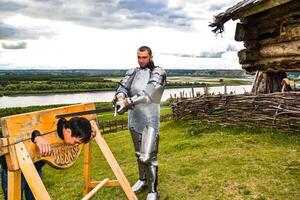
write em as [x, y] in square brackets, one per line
[75, 131]
[144, 56]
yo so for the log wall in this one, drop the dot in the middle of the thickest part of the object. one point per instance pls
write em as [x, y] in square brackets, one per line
[271, 39]
[277, 110]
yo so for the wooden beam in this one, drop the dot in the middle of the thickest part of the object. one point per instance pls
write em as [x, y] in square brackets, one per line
[31, 175]
[21, 126]
[268, 52]
[113, 183]
[14, 185]
[266, 5]
[275, 14]
[279, 67]
[289, 35]
[279, 60]
[248, 56]
[291, 48]
[87, 158]
[243, 32]
[3, 146]
[95, 190]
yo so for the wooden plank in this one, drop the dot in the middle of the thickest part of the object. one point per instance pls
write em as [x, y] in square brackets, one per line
[113, 183]
[95, 190]
[284, 49]
[281, 49]
[266, 5]
[31, 175]
[14, 185]
[11, 159]
[113, 164]
[276, 14]
[21, 126]
[244, 32]
[289, 35]
[3, 146]
[87, 167]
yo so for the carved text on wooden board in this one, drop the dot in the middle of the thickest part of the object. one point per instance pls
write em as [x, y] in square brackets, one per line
[64, 154]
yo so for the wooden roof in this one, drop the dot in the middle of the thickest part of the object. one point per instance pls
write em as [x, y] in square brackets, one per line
[243, 9]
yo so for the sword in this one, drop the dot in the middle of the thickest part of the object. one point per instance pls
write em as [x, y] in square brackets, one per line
[87, 112]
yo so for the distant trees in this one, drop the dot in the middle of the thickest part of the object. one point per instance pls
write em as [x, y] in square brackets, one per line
[48, 83]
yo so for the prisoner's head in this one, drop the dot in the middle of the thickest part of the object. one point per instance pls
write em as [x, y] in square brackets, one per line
[75, 131]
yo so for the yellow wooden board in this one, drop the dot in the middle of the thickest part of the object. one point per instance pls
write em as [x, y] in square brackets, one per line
[19, 128]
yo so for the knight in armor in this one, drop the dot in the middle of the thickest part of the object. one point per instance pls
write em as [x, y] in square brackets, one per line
[140, 93]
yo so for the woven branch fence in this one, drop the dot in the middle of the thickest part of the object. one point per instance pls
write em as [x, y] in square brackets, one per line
[111, 126]
[277, 110]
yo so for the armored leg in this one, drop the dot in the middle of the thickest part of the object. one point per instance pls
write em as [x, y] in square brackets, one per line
[149, 150]
[141, 184]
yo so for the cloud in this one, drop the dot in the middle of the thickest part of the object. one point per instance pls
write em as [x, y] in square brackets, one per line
[9, 32]
[18, 45]
[213, 53]
[113, 14]
[217, 6]
[10, 6]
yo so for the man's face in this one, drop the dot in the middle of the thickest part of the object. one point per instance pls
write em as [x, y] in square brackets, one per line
[143, 58]
[69, 139]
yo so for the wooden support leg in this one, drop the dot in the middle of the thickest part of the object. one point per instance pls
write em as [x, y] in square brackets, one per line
[115, 166]
[87, 167]
[95, 190]
[14, 185]
[31, 175]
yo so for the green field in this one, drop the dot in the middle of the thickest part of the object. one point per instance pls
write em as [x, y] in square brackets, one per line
[198, 162]
[19, 84]
[197, 81]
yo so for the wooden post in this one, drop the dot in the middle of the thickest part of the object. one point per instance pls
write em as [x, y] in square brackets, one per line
[31, 175]
[193, 92]
[87, 167]
[14, 185]
[102, 126]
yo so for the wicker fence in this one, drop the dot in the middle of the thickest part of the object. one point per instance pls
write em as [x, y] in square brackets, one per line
[111, 126]
[276, 110]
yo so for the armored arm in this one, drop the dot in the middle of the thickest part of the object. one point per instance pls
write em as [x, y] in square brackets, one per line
[122, 93]
[154, 88]
[125, 83]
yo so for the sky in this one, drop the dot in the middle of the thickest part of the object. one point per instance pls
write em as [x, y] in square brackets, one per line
[105, 34]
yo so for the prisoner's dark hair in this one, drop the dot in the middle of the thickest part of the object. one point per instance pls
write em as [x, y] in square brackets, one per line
[146, 48]
[80, 127]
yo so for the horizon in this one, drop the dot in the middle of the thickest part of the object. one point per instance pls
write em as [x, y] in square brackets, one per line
[88, 69]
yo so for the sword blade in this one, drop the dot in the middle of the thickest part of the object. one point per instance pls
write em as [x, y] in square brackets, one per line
[87, 112]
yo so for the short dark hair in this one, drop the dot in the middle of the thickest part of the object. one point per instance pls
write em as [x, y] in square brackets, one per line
[80, 127]
[146, 48]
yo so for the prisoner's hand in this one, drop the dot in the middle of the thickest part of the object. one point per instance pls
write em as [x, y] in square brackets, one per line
[43, 146]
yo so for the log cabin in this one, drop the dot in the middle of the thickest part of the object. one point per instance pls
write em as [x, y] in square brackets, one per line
[270, 31]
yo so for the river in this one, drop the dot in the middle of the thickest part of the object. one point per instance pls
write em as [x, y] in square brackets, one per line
[105, 96]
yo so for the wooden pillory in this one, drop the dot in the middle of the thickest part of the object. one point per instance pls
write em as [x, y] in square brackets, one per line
[21, 153]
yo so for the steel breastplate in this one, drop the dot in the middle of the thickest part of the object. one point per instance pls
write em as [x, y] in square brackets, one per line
[140, 81]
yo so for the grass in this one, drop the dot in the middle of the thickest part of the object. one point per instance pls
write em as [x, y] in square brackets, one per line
[197, 161]
[110, 115]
